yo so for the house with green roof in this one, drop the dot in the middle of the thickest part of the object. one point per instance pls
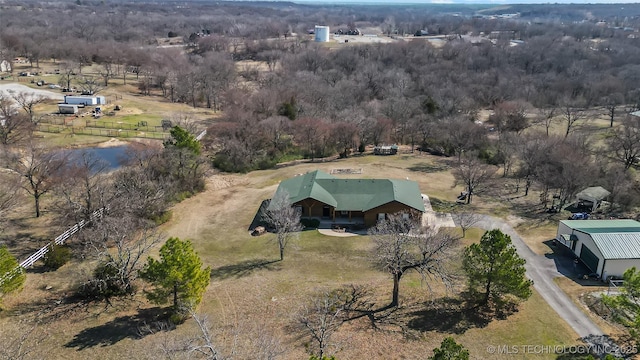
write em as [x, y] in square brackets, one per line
[359, 201]
[606, 247]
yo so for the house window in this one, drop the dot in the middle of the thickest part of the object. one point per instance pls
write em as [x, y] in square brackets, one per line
[381, 216]
[299, 210]
[405, 216]
[344, 213]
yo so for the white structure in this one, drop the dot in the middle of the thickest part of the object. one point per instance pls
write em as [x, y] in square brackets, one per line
[67, 109]
[5, 66]
[607, 247]
[81, 100]
[322, 33]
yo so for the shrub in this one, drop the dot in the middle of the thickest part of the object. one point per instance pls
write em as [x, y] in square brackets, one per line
[310, 223]
[57, 256]
[161, 218]
[106, 283]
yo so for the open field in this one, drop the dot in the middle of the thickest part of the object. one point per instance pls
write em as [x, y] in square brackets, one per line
[249, 290]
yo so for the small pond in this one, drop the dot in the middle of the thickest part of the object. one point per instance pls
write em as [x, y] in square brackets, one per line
[113, 156]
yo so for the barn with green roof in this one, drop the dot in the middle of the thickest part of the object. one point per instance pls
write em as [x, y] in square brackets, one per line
[320, 195]
[607, 247]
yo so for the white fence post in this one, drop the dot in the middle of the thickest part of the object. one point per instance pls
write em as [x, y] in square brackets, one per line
[45, 249]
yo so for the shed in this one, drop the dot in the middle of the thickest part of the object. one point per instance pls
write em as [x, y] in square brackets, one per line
[592, 196]
[385, 150]
[80, 100]
[67, 109]
[607, 247]
[101, 100]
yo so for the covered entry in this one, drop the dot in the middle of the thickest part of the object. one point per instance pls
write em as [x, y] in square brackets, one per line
[589, 259]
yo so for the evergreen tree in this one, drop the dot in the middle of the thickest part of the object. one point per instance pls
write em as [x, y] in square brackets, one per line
[12, 277]
[178, 274]
[182, 139]
[495, 270]
[450, 350]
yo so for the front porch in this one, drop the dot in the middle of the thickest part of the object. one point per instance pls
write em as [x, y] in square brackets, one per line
[341, 226]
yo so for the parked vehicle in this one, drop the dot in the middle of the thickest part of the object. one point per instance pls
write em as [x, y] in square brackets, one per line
[579, 216]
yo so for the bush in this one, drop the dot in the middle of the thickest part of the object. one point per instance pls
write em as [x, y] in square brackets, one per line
[106, 283]
[310, 223]
[161, 218]
[57, 256]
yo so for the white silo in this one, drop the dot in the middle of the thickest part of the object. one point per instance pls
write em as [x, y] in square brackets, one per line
[322, 33]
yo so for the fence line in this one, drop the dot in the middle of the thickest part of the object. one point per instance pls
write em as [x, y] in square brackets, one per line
[201, 135]
[45, 249]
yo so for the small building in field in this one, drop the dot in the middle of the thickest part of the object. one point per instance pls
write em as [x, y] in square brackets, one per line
[67, 109]
[385, 150]
[360, 201]
[81, 100]
[592, 197]
[607, 247]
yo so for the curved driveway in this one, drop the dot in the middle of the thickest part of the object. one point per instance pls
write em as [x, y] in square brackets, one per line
[542, 271]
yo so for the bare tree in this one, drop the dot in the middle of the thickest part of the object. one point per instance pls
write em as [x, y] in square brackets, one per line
[27, 101]
[19, 343]
[611, 103]
[89, 85]
[571, 113]
[401, 246]
[546, 117]
[66, 74]
[14, 126]
[120, 243]
[465, 220]
[473, 174]
[9, 194]
[238, 340]
[624, 143]
[40, 169]
[85, 188]
[321, 317]
[283, 218]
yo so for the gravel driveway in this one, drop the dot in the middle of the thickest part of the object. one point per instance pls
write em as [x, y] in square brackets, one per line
[542, 271]
[22, 88]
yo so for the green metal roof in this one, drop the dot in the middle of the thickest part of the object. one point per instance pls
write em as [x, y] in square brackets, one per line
[603, 226]
[352, 194]
[615, 239]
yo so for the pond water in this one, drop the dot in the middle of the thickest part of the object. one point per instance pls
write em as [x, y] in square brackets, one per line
[112, 156]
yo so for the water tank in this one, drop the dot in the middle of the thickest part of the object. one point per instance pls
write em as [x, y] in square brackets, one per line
[322, 33]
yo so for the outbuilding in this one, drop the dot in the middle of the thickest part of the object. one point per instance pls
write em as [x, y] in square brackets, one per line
[591, 197]
[67, 109]
[607, 247]
[80, 100]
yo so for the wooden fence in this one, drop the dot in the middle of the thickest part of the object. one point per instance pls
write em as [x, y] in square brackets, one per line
[45, 249]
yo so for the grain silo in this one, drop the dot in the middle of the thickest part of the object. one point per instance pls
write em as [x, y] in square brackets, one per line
[322, 33]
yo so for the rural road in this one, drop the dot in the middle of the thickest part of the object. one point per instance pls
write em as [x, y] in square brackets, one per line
[542, 271]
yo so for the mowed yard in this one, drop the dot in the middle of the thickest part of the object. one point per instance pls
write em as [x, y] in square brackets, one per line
[252, 297]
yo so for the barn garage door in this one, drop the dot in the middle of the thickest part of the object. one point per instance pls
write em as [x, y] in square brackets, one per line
[589, 258]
